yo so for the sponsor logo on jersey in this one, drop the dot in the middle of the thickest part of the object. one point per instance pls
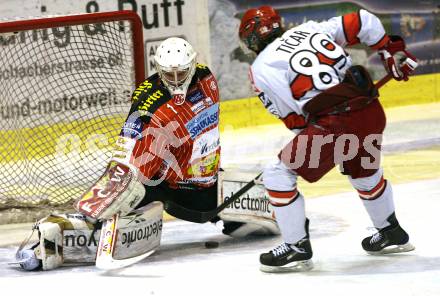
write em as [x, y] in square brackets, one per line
[208, 101]
[123, 148]
[189, 183]
[213, 85]
[206, 166]
[196, 108]
[195, 96]
[146, 85]
[204, 120]
[202, 105]
[205, 144]
[179, 99]
[150, 100]
[132, 128]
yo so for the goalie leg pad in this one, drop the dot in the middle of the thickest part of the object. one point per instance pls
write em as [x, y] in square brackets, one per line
[250, 214]
[55, 232]
[72, 239]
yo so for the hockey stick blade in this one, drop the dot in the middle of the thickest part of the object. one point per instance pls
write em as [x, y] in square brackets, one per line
[190, 215]
[106, 246]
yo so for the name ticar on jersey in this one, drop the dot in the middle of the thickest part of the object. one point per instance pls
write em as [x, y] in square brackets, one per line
[292, 41]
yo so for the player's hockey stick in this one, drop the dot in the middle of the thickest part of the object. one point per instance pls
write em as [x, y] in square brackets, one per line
[183, 213]
[106, 246]
[383, 81]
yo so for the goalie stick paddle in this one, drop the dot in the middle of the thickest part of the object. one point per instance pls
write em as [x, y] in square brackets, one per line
[183, 213]
[106, 246]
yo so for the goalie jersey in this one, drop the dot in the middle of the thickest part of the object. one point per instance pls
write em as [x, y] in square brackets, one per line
[170, 140]
[309, 59]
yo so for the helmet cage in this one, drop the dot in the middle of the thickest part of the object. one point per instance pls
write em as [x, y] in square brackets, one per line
[175, 63]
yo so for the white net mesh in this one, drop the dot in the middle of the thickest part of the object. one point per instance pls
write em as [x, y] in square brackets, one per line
[64, 95]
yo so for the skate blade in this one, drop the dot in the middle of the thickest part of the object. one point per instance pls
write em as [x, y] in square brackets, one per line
[299, 266]
[394, 249]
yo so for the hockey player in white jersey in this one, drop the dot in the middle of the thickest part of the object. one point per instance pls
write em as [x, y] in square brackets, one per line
[305, 77]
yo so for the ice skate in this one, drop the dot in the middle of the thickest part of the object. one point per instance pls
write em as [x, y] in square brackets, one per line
[391, 239]
[289, 257]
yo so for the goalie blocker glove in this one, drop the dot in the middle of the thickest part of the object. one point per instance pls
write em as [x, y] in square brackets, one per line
[117, 191]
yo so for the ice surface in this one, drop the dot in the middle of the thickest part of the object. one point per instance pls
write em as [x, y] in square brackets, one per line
[183, 266]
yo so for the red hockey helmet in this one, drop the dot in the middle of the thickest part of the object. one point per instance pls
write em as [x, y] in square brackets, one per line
[259, 27]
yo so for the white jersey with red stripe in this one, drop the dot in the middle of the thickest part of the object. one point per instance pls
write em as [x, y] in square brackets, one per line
[309, 59]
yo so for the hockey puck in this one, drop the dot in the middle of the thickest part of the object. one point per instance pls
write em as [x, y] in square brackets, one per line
[211, 244]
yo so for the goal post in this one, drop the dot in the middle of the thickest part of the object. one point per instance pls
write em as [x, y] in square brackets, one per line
[65, 89]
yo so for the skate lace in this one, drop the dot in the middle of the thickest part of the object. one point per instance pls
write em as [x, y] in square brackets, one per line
[376, 237]
[285, 248]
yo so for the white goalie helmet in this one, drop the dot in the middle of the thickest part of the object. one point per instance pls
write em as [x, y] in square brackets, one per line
[175, 61]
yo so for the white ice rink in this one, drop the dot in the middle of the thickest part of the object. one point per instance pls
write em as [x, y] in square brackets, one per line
[183, 266]
[338, 223]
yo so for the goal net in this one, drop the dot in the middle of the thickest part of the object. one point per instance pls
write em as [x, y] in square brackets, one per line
[65, 86]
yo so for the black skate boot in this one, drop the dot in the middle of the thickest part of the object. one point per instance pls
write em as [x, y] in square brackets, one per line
[391, 239]
[289, 258]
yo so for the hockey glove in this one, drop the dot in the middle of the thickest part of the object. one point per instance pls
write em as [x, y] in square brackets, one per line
[398, 62]
[117, 191]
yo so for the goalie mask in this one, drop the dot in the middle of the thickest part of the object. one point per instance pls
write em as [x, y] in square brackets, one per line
[175, 62]
[259, 27]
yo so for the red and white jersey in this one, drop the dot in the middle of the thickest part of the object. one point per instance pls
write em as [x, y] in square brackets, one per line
[309, 59]
[172, 140]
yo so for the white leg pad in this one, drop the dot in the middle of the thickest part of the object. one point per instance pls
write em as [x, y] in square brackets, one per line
[252, 208]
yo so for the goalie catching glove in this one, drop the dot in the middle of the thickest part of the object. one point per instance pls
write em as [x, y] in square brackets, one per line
[117, 191]
[398, 62]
